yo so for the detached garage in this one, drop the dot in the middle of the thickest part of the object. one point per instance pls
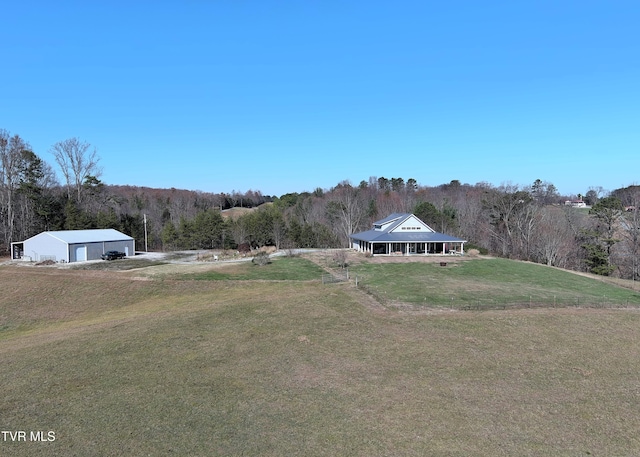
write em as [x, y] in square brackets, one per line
[72, 245]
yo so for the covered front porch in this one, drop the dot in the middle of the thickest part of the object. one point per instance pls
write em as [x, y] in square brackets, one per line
[410, 248]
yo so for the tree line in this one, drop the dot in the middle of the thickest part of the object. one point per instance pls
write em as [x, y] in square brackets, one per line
[529, 222]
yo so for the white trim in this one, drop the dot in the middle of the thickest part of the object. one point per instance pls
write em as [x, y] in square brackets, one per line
[412, 224]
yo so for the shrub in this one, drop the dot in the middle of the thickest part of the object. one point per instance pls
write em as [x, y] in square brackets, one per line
[340, 257]
[261, 258]
[470, 246]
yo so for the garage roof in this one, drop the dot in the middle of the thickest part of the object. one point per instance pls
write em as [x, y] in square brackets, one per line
[87, 236]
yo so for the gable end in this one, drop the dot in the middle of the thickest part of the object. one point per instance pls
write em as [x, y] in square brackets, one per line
[411, 225]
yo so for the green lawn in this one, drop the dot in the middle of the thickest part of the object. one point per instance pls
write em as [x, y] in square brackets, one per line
[280, 269]
[487, 282]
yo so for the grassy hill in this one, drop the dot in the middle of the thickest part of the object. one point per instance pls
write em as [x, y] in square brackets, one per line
[130, 363]
[237, 211]
[486, 283]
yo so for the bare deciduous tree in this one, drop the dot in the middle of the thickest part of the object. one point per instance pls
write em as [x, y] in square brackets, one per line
[554, 239]
[510, 210]
[11, 154]
[347, 210]
[77, 162]
[627, 254]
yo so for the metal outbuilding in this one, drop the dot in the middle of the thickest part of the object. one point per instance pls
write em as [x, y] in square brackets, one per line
[72, 245]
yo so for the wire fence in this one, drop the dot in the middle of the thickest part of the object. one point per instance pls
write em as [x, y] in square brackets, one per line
[479, 302]
[508, 302]
[489, 304]
[335, 277]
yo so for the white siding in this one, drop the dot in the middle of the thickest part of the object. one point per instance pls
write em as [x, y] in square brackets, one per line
[56, 245]
[44, 246]
[412, 225]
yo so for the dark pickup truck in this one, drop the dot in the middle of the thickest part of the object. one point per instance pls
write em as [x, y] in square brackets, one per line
[113, 255]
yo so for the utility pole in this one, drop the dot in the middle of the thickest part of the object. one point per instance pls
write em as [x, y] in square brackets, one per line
[145, 233]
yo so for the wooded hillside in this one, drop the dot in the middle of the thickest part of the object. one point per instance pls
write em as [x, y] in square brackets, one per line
[529, 222]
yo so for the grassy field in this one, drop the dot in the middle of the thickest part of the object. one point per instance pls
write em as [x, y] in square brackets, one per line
[116, 364]
[279, 269]
[120, 265]
[487, 283]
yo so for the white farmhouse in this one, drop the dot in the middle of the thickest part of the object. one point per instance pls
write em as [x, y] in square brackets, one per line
[405, 234]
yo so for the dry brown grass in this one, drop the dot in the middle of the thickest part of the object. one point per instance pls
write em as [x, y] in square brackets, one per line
[236, 212]
[195, 368]
[182, 268]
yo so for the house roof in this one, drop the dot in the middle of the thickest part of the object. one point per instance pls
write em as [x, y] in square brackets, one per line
[376, 236]
[392, 221]
[392, 217]
[392, 231]
[86, 236]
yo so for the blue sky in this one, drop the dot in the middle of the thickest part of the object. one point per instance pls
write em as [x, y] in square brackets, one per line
[287, 96]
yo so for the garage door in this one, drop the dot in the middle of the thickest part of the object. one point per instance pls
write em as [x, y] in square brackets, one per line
[81, 253]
